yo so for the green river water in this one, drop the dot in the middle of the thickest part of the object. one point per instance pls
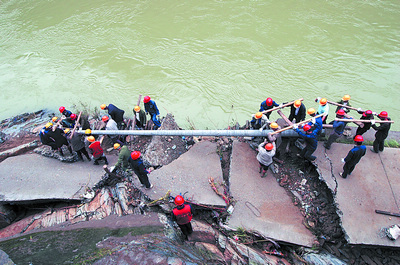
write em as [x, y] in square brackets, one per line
[210, 61]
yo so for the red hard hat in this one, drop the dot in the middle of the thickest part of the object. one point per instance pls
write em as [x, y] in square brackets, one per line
[105, 118]
[358, 138]
[306, 127]
[269, 102]
[340, 112]
[61, 109]
[383, 114]
[146, 99]
[73, 116]
[269, 146]
[135, 155]
[368, 112]
[179, 200]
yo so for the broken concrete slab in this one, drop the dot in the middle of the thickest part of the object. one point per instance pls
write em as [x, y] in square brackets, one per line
[262, 205]
[373, 185]
[33, 177]
[188, 175]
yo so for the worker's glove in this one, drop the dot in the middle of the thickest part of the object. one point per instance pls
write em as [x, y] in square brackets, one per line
[374, 113]
[295, 126]
[359, 110]
[372, 122]
[317, 99]
[313, 121]
[158, 117]
[343, 160]
[280, 105]
[92, 157]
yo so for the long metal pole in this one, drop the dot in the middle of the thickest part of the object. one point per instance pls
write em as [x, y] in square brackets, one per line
[243, 133]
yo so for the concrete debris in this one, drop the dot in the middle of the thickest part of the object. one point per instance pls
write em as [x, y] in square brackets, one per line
[393, 232]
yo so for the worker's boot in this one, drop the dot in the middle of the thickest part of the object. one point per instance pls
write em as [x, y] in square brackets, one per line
[70, 149]
[61, 152]
[105, 161]
[264, 173]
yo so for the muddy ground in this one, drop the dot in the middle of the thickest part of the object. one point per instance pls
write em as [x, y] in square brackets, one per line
[314, 199]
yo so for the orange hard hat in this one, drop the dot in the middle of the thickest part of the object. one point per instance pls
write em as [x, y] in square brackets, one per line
[269, 146]
[136, 108]
[310, 111]
[103, 106]
[323, 101]
[91, 139]
[48, 125]
[297, 103]
[258, 115]
[358, 138]
[346, 98]
[179, 200]
[54, 119]
[116, 145]
[88, 131]
[146, 99]
[105, 118]
[135, 155]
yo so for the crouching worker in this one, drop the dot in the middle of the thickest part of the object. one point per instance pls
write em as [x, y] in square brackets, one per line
[77, 144]
[182, 215]
[96, 150]
[123, 156]
[266, 152]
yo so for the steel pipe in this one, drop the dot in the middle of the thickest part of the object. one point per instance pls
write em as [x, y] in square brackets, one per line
[243, 133]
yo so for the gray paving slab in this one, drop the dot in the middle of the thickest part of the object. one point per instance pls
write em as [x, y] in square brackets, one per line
[262, 205]
[35, 177]
[189, 175]
[373, 185]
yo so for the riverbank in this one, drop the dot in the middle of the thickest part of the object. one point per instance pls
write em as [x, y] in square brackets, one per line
[322, 218]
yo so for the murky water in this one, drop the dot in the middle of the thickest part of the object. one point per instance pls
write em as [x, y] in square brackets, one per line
[210, 61]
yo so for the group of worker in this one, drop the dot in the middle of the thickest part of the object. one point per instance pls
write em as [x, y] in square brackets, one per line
[311, 130]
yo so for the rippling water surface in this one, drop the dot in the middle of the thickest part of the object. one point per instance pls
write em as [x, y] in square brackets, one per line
[211, 61]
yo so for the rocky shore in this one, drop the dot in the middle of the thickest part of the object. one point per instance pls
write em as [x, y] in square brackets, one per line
[213, 242]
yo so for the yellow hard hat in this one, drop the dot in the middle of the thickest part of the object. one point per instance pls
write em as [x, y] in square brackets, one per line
[346, 98]
[91, 139]
[136, 108]
[116, 145]
[54, 119]
[297, 103]
[274, 125]
[88, 131]
[48, 125]
[258, 115]
[103, 106]
[323, 101]
[67, 130]
[310, 111]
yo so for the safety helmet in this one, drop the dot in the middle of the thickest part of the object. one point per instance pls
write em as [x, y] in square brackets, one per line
[358, 138]
[310, 111]
[54, 119]
[323, 101]
[67, 131]
[340, 112]
[91, 139]
[88, 131]
[269, 102]
[105, 118]
[136, 108]
[48, 125]
[103, 106]
[346, 98]
[269, 146]
[306, 127]
[146, 99]
[135, 155]
[117, 145]
[73, 116]
[297, 103]
[383, 114]
[368, 112]
[258, 115]
[61, 109]
[179, 200]
[274, 125]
